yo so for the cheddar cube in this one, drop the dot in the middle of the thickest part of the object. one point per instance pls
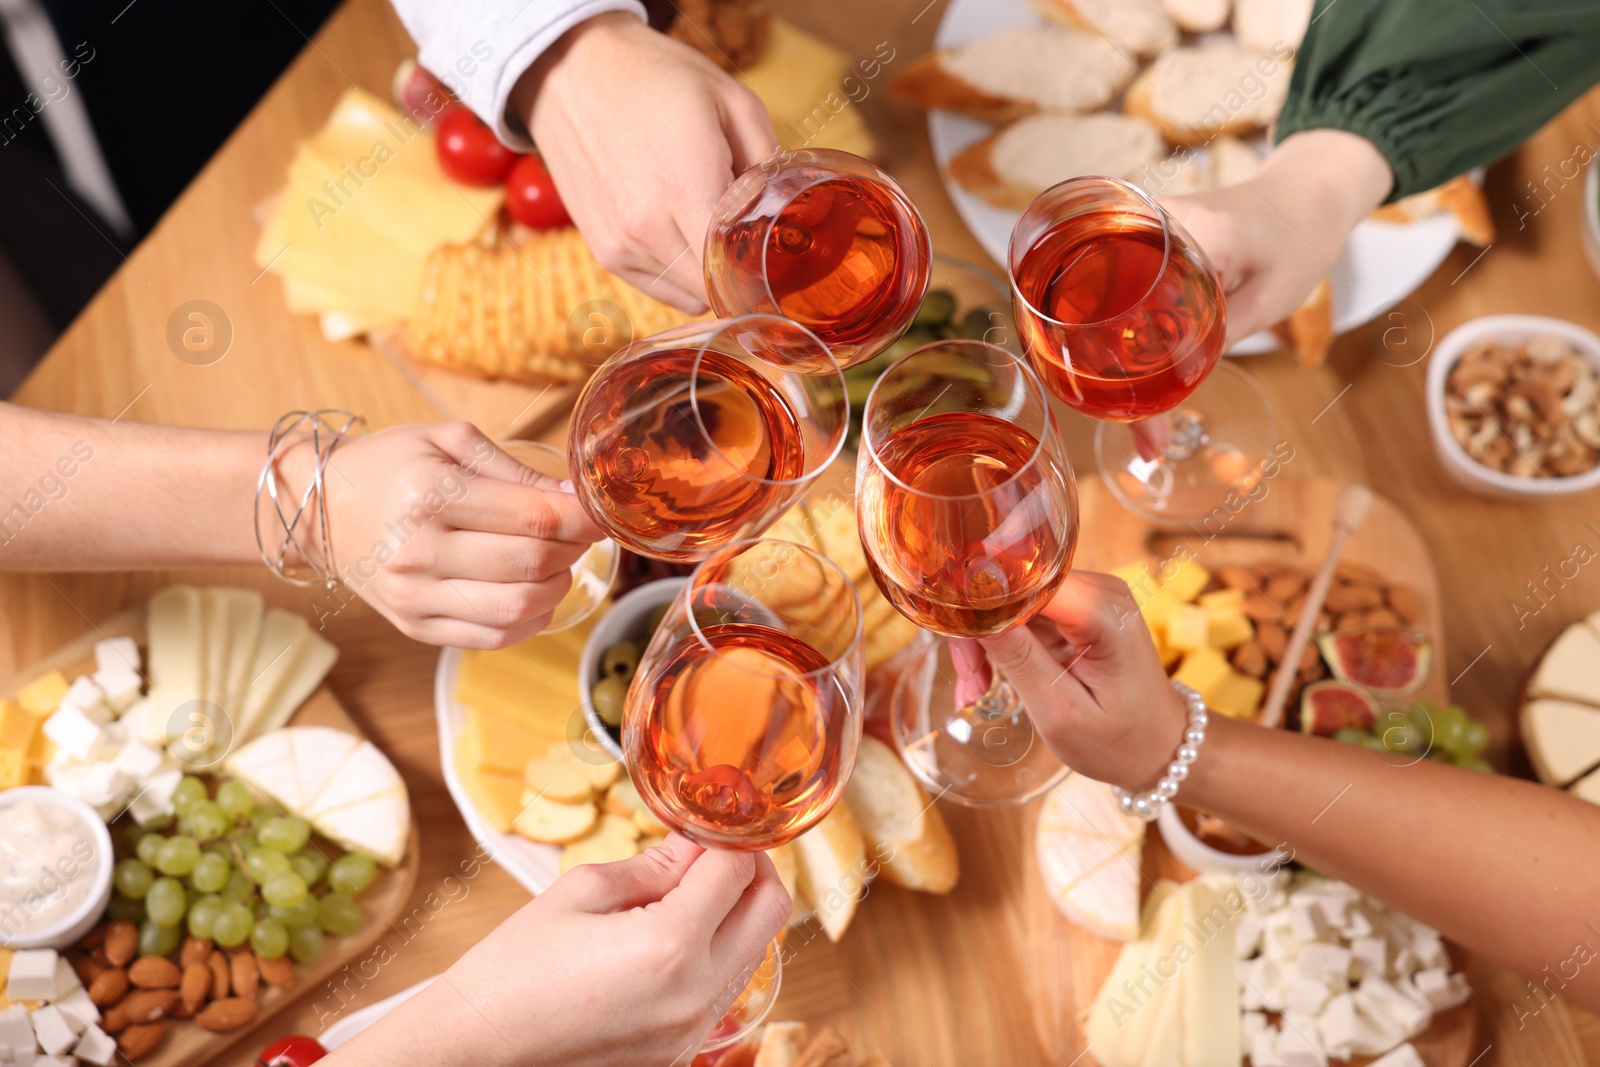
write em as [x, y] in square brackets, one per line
[13, 768]
[1168, 654]
[1219, 601]
[43, 695]
[1229, 630]
[18, 726]
[1187, 627]
[1140, 581]
[1237, 696]
[41, 749]
[1184, 580]
[1158, 608]
[1203, 671]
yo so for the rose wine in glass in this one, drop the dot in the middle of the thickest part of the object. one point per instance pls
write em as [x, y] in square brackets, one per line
[824, 238]
[703, 435]
[742, 724]
[968, 513]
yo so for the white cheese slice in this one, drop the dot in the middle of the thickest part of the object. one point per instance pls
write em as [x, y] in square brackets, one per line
[1118, 1027]
[315, 660]
[1562, 738]
[1089, 852]
[365, 773]
[267, 765]
[378, 826]
[176, 669]
[1568, 670]
[319, 752]
[215, 622]
[284, 635]
[245, 610]
[1588, 787]
[1211, 980]
[1405, 1055]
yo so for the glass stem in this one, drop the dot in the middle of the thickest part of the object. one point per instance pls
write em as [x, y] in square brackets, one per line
[1189, 435]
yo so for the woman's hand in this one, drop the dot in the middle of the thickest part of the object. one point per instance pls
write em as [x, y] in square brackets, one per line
[624, 964]
[452, 540]
[642, 135]
[1088, 673]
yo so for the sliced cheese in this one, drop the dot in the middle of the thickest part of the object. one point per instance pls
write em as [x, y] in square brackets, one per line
[213, 649]
[267, 764]
[1118, 1026]
[495, 796]
[1562, 738]
[503, 744]
[377, 826]
[316, 659]
[175, 667]
[364, 774]
[1210, 1015]
[245, 609]
[319, 752]
[1587, 787]
[1570, 670]
[1165, 1015]
[1088, 852]
[284, 636]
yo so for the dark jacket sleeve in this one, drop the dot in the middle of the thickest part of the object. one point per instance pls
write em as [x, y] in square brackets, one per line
[1441, 86]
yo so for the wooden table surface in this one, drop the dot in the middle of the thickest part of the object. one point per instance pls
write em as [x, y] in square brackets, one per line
[931, 981]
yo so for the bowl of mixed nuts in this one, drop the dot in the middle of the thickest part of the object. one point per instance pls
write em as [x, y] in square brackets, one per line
[1514, 404]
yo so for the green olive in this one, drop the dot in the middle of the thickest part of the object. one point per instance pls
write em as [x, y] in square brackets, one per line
[976, 324]
[608, 696]
[620, 660]
[936, 309]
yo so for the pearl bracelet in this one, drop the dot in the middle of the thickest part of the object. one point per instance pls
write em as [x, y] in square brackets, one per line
[1148, 804]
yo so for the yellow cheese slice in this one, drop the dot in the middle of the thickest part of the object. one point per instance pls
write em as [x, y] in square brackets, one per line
[43, 695]
[495, 796]
[175, 666]
[1163, 1035]
[504, 743]
[1210, 1012]
[1118, 1026]
[13, 768]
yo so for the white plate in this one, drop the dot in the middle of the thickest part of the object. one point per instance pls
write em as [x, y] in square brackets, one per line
[530, 863]
[1382, 264]
[346, 1029]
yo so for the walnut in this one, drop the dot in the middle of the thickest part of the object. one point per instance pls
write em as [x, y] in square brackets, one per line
[1530, 409]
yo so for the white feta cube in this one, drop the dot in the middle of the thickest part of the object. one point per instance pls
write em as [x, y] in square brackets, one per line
[1405, 1055]
[154, 801]
[1304, 994]
[55, 1061]
[121, 686]
[32, 975]
[1410, 1014]
[66, 979]
[74, 732]
[96, 1047]
[87, 696]
[1337, 1026]
[1369, 955]
[103, 784]
[1357, 923]
[1406, 962]
[1335, 908]
[1328, 964]
[1376, 1032]
[117, 652]
[143, 723]
[16, 1032]
[1297, 1048]
[1251, 1023]
[50, 1029]
[30, 1058]
[1261, 985]
[79, 1010]
[1306, 920]
[138, 760]
[1263, 1049]
[1428, 948]
[1247, 930]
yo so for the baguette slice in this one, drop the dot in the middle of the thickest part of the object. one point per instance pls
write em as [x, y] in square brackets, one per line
[833, 858]
[1185, 171]
[781, 1044]
[907, 835]
[1271, 25]
[1198, 16]
[1013, 73]
[1308, 331]
[1195, 95]
[1235, 161]
[1460, 196]
[1013, 165]
[1138, 27]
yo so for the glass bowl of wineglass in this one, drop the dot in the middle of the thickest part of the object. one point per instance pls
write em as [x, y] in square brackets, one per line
[690, 440]
[825, 238]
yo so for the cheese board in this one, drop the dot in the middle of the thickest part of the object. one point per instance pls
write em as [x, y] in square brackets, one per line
[381, 903]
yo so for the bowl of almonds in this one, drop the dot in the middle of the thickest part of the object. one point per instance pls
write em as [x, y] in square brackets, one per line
[1514, 405]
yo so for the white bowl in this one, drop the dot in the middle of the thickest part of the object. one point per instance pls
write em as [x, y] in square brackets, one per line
[1195, 853]
[1591, 216]
[70, 928]
[624, 622]
[1512, 329]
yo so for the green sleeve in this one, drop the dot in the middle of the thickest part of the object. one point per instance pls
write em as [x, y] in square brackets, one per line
[1441, 86]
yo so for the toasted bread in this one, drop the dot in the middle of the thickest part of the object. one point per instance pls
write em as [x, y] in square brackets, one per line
[1198, 16]
[1013, 165]
[1234, 161]
[927, 82]
[832, 879]
[781, 1044]
[612, 838]
[1308, 331]
[1013, 73]
[787, 861]
[827, 1048]
[557, 779]
[552, 822]
[1138, 27]
[1185, 171]
[1460, 196]
[1195, 95]
[1271, 25]
[907, 835]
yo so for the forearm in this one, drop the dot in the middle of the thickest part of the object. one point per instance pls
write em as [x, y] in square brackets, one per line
[1500, 865]
[1324, 182]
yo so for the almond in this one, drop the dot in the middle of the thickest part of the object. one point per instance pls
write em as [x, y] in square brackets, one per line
[1405, 603]
[148, 1005]
[1273, 640]
[88, 969]
[1343, 598]
[122, 942]
[195, 950]
[243, 975]
[114, 1018]
[94, 938]
[180, 1010]
[136, 1041]
[154, 972]
[1284, 587]
[108, 986]
[277, 972]
[196, 986]
[227, 1014]
[219, 974]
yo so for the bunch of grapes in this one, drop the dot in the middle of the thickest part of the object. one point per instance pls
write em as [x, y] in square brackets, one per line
[231, 870]
[1447, 734]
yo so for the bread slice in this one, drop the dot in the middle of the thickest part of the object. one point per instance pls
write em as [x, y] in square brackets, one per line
[833, 857]
[1461, 196]
[1234, 161]
[1138, 27]
[1198, 16]
[1016, 72]
[1308, 331]
[1271, 25]
[781, 1044]
[787, 861]
[553, 823]
[1195, 95]
[1185, 171]
[905, 832]
[1013, 165]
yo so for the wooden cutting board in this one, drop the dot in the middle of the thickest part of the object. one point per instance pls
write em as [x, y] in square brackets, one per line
[501, 409]
[1289, 523]
[186, 1045]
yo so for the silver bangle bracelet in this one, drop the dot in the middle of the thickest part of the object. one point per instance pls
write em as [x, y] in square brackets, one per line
[1147, 805]
[326, 428]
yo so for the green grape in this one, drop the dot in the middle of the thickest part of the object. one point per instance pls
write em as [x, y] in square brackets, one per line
[352, 873]
[211, 873]
[302, 913]
[131, 835]
[338, 914]
[262, 812]
[122, 907]
[1474, 739]
[284, 890]
[156, 940]
[246, 842]
[1475, 763]
[178, 855]
[165, 902]
[203, 914]
[305, 943]
[148, 848]
[1402, 735]
[235, 800]
[207, 821]
[189, 791]
[309, 865]
[133, 879]
[281, 834]
[303, 825]
[262, 863]
[1448, 723]
[1349, 736]
[232, 926]
[238, 890]
[270, 939]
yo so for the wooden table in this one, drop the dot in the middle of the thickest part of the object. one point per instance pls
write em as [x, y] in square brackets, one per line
[931, 981]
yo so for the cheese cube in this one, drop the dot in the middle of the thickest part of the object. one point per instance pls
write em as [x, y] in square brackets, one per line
[13, 768]
[103, 784]
[154, 801]
[88, 698]
[1305, 994]
[1237, 696]
[79, 1010]
[1264, 1049]
[1141, 582]
[1247, 934]
[1328, 964]
[1186, 628]
[143, 723]
[1335, 907]
[121, 686]
[1428, 947]
[66, 979]
[18, 725]
[138, 760]
[1369, 955]
[32, 975]
[1229, 629]
[1202, 671]
[54, 1061]
[1405, 1055]
[1306, 920]
[1184, 579]
[1297, 1048]
[50, 1029]
[117, 652]
[1337, 1026]
[1220, 601]
[43, 695]
[74, 732]
[95, 1047]
[16, 1032]
[1357, 924]
[1406, 962]
[1251, 1023]
[1379, 997]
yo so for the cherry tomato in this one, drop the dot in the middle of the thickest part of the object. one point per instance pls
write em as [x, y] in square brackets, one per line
[531, 196]
[291, 1052]
[469, 152]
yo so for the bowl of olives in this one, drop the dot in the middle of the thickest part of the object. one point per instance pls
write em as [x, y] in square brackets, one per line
[611, 656]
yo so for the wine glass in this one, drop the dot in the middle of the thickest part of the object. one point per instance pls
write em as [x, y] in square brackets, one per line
[743, 720]
[690, 440]
[596, 569]
[750, 1006]
[969, 516]
[825, 238]
[1123, 319]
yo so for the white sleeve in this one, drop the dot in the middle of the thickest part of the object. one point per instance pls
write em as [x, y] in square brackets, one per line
[479, 48]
